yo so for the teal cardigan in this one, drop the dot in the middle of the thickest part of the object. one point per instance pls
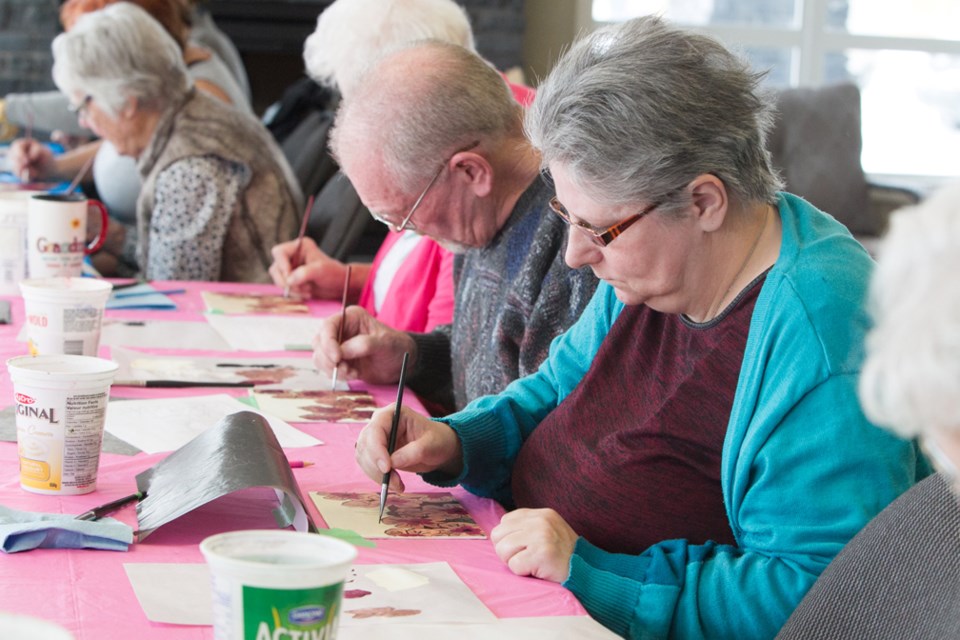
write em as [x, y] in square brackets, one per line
[802, 469]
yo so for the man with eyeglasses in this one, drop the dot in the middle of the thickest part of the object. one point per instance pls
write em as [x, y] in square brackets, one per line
[433, 142]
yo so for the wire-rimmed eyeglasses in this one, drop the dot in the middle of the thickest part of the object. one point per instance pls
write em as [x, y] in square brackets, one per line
[81, 107]
[406, 223]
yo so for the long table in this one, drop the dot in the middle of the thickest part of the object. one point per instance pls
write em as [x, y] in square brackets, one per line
[87, 591]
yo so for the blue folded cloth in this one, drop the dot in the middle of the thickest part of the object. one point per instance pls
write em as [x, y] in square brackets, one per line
[141, 296]
[25, 530]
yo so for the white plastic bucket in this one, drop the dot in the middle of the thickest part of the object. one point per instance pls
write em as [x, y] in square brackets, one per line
[14, 626]
[64, 315]
[61, 405]
[271, 583]
[13, 239]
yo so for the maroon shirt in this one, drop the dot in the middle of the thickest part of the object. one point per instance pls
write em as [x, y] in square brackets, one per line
[632, 457]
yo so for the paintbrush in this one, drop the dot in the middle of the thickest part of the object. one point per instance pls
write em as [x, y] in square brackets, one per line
[80, 174]
[177, 384]
[295, 258]
[343, 319]
[392, 442]
[98, 512]
[28, 135]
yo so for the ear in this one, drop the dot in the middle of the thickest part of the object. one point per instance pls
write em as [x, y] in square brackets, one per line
[473, 171]
[129, 107]
[710, 201]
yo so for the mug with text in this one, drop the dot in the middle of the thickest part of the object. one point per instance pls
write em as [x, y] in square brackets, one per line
[57, 234]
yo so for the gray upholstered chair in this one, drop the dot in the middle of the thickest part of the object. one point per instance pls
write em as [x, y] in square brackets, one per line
[816, 146]
[898, 579]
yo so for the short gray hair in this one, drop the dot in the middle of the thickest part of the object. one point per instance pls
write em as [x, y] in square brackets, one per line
[635, 111]
[416, 118]
[910, 381]
[351, 34]
[120, 52]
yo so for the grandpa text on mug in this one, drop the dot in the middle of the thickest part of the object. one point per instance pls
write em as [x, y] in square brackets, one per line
[56, 234]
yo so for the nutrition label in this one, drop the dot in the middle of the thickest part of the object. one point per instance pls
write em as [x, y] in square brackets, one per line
[83, 424]
[81, 319]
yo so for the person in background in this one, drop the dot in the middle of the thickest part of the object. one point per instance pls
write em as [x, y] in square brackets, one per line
[898, 578]
[114, 177]
[217, 192]
[442, 152]
[205, 33]
[409, 285]
[691, 454]
[911, 378]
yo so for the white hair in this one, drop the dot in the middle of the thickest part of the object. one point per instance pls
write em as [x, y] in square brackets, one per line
[352, 34]
[910, 381]
[120, 52]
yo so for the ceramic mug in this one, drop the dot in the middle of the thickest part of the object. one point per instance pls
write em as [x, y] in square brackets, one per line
[57, 232]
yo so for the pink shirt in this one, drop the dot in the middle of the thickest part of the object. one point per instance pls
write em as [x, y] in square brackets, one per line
[522, 94]
[420, 296]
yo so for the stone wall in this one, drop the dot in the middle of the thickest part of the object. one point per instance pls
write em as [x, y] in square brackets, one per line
[498, 29]
[26, 29]
[268, 33]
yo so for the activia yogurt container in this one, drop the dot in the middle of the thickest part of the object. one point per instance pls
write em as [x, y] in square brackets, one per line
[277, 584]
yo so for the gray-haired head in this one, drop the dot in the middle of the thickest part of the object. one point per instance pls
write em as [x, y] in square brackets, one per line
[910, 380]
[415, 120]
[635, 111]
[351, 34]
[118, 53]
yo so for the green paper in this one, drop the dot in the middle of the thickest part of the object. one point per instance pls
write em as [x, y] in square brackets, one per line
[297, 347]
[347, 535]
[250, 401]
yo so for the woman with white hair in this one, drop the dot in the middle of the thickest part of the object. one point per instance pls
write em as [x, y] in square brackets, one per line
[114, 177]
[911, 377]
[900, 576]
[409, 285]
[691, 454]
[217, 193]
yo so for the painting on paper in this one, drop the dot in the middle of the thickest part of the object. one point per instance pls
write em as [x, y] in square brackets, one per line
[241, 303]
[276, 372]
[313, 405]
[428, 593]
[408, 515]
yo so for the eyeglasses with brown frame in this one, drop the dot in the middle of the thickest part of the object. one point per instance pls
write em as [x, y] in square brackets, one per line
[600, 237]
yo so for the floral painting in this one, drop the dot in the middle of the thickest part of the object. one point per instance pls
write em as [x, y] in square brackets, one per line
[306, 405]
[236, 303]
[408, 515]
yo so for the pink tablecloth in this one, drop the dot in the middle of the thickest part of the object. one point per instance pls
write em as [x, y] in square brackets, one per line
[88, 592]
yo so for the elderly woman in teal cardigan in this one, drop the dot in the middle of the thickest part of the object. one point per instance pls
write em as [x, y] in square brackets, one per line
[691, 455]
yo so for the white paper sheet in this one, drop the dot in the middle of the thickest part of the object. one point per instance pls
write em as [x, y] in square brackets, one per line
[440, 597]
[169, 423]
[545, 628]
[172, 593]
[264, 333]
[161, 334]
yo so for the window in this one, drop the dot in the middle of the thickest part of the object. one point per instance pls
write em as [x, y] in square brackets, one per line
[899, 52]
